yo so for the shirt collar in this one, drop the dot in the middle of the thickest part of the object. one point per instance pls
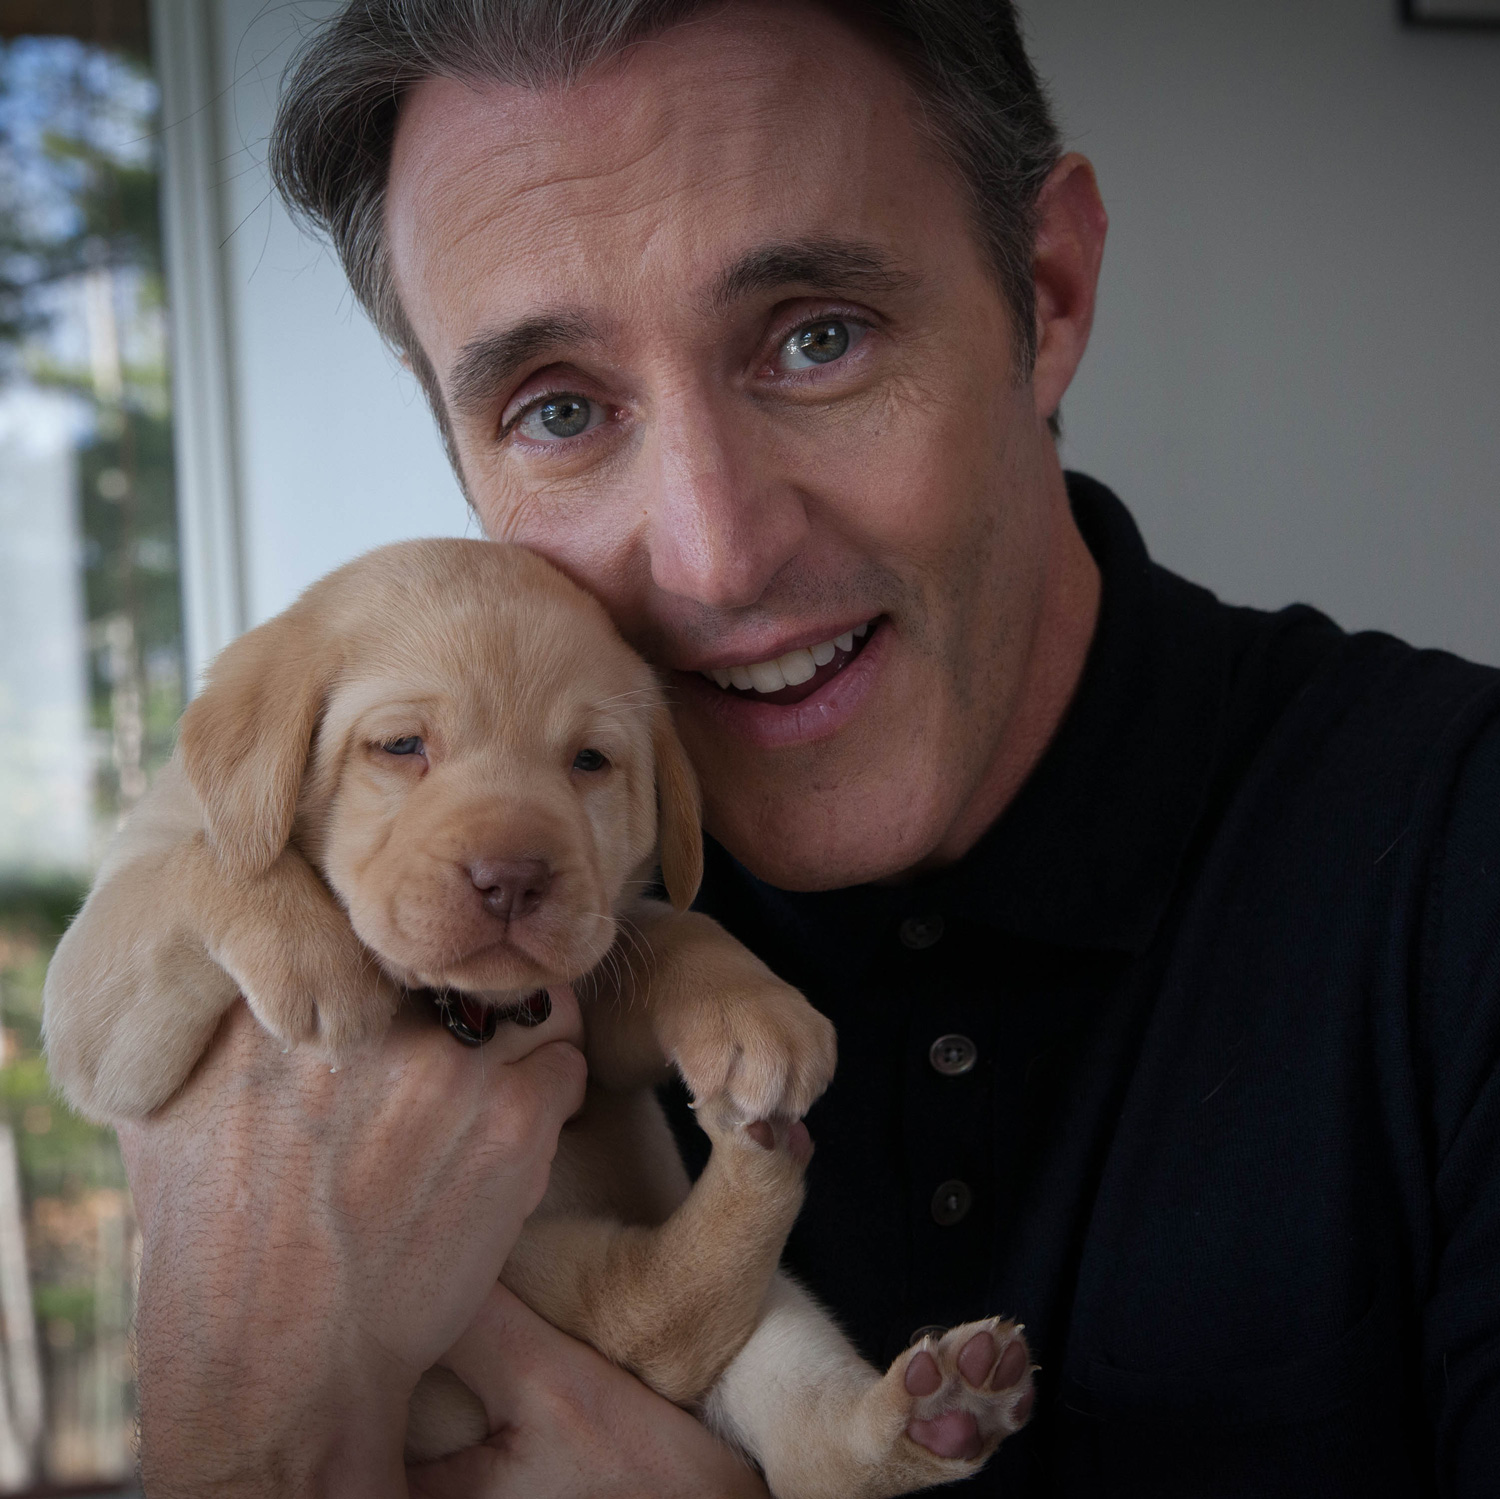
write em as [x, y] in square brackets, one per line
[1088, 853]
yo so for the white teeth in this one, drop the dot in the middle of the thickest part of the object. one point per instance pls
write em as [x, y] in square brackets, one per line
[790, 670]
[797, 667]
[766, 676]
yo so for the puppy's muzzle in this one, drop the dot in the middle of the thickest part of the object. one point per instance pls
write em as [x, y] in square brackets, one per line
[510, 888]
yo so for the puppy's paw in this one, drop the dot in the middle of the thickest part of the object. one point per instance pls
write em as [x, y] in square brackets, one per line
[947, 1403]
[764, 1049]
[317, 985]
[125, 1027]
[764, 1150]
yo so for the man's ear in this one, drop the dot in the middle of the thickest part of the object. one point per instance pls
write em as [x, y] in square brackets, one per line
[679, 818]
[245, 738]
[1070, 230]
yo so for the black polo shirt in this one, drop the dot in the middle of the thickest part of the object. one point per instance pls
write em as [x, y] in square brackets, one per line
[1190, 1064]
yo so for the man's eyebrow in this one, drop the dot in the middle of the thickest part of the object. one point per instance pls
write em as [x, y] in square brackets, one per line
[487, 363]
[829, 265]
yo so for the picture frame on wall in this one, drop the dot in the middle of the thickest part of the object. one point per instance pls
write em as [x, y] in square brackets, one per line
[1452, 14]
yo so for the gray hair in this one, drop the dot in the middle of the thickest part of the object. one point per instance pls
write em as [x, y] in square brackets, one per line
[331, 146]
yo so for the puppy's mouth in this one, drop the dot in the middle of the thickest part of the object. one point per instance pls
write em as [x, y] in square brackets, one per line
[553, 945]
[796, 675]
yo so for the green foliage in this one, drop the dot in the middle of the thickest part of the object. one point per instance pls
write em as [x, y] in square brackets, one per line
[82, 299]
[39, 908]
[63, 1158]
[73, 1304]
[79, 201]
[75, 194]
[131, 561]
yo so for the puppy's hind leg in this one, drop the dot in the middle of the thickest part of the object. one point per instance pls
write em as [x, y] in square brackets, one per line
[824, 1425]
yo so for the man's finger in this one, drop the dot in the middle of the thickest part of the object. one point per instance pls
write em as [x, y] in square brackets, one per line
[470, 1474]
[498, 1356]
[512, 1042]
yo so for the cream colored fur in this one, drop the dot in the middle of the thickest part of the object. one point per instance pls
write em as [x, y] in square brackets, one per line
[287, 855]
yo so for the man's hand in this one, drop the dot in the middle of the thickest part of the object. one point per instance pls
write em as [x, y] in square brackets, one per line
[314, 1239]
[568, 1424]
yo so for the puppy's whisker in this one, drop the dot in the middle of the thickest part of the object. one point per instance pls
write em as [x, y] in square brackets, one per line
[633, 694]
[632, 935]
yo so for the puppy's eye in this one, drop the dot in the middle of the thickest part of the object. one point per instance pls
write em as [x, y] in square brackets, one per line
[589, 759]
[411, 745]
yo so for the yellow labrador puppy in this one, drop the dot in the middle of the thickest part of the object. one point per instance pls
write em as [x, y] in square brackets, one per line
[442, 769]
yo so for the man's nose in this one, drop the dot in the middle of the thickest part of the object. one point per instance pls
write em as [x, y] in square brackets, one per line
[723, 522]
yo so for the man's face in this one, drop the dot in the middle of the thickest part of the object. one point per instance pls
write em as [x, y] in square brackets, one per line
[714, 333]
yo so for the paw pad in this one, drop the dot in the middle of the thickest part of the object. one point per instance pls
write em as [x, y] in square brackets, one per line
[968, 1388]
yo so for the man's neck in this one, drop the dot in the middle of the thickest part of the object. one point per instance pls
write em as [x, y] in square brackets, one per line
[1064, 632]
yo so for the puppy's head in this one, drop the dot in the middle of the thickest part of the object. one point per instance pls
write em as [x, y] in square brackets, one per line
[459, 740]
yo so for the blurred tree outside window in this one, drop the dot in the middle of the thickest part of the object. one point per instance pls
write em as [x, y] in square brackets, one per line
[91, 675]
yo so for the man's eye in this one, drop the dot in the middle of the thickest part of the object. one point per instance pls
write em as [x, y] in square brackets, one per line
[589, 759]
[559, 417]
[820, 343]
[411, 745]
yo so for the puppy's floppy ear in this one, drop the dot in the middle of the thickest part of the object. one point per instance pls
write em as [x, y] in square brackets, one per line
[679, 821]
[245, 738]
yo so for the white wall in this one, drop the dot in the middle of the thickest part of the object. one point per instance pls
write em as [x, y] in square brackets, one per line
[1295, 375]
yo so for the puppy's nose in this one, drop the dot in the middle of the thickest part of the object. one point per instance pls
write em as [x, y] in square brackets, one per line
[510, 887]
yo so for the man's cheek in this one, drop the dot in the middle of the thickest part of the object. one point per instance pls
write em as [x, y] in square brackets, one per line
[905, 470]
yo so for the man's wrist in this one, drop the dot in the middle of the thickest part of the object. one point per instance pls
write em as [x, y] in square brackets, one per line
[241, 1408]
[354, 1452]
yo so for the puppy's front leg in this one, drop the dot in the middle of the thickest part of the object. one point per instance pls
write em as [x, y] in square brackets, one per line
[166, 941]
[132, 998]
[672, 1301]
[684, 991]
[286, 941]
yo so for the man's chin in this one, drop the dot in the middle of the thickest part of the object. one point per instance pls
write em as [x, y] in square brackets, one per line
[827, 835]
[845, 786]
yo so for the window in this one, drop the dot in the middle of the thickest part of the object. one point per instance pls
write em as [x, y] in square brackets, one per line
[91, 676]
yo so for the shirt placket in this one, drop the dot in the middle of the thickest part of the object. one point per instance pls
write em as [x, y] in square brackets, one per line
[948, 1123]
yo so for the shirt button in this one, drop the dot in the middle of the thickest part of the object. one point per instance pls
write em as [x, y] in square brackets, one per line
[931, 1330]
[917, 932]
[953, 1055]
[951, 1203]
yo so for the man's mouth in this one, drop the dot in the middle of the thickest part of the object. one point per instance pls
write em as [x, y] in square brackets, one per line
[795, 676]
